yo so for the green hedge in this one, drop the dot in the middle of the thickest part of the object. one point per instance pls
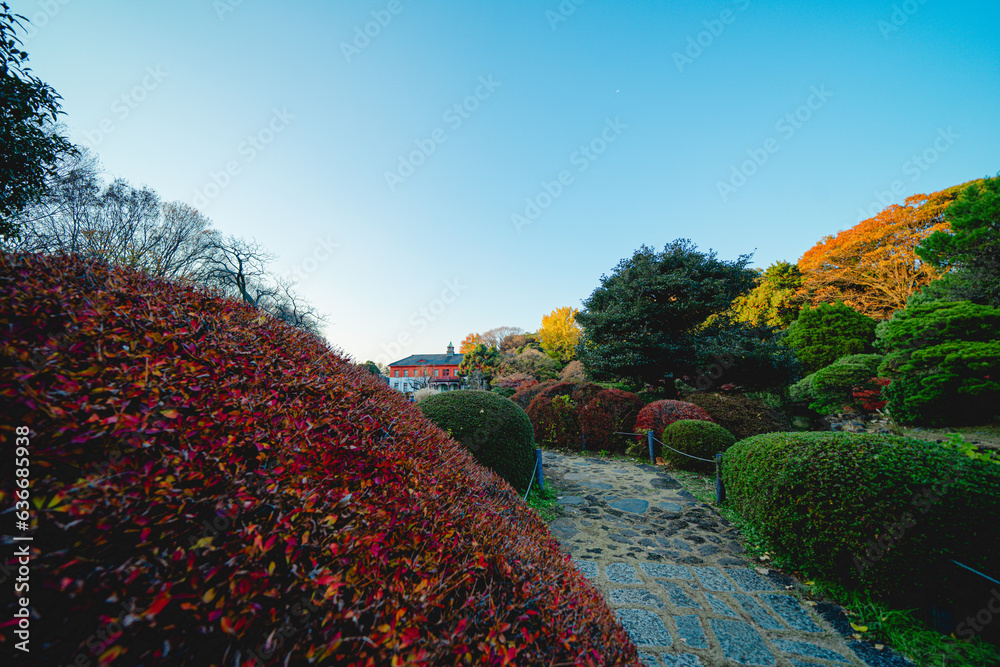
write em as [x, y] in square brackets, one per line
[877, 511]
[697, 438]
[832, 387]
[494, 429]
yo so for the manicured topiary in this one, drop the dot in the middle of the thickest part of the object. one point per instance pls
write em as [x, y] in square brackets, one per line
[608, 412]
[741, 415]
[823, 334]
[211, 486]
[657, 416]
[879, 511]
[495, 430]
[832, 388]
[695, 437]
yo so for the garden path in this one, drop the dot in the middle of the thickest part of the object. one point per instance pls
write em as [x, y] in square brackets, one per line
[676, 575]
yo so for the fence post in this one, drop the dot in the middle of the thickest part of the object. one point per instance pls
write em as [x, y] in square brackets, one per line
[538, 470]
[720, 489]
[652, 453]
[583, 439]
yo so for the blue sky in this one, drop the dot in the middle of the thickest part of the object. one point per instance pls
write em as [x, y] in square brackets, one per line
[431, 169]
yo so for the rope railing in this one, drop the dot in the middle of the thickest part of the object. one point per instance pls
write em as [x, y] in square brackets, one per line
[654, 439]
[720, 489]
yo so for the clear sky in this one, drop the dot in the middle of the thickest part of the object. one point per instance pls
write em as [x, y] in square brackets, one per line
[382, 148]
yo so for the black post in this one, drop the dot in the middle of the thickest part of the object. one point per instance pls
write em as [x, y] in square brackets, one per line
[720, 489]
[652, 453]
[538, 470]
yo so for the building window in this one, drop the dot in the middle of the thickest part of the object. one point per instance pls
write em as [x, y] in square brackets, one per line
[446, 371]
[395, 374]
[437, 372]
[405, 373]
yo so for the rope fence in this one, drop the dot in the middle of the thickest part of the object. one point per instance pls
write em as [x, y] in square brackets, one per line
[720, 489]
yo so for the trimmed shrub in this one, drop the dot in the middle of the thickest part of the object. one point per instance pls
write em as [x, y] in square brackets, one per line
[802, 390]
[554, 413]
[944, 362]
[823, 334]
[216, 483]
[880, 511]
[497, 432]
[833, 387]
[697, 438]
[608, 412]
[657, 416]
[741, 415]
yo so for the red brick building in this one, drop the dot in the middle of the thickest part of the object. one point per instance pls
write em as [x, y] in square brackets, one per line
[437, 371]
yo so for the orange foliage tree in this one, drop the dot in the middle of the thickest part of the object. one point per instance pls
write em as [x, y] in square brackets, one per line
[469, 343]
[873, 267]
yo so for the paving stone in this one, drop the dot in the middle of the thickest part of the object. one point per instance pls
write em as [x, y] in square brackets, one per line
[571, 500]
[669, 507]
[646, 542]
[587, 567]
[648, 659]
[622, 573]
[749, 580]
[792, 612]
[632, 596]
[678, 597]
[680, 660]
[691, 634]
[633, 505]
[682, 545]
[601, 486]
[809, 650]
[757, 612]
[741, 643]
[576, 476]
[665, 571]
[645, 627]
[712, 579]
[663, 483]
[618, 537]
[720, 607]
[564, 528]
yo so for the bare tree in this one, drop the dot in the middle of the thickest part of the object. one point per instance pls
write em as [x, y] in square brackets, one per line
[290, 308]
[497, 337]
[238, 267]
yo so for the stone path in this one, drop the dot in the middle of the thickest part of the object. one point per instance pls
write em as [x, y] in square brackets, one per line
[676, 576]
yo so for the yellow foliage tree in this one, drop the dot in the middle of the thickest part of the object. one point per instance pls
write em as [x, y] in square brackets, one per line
[560, 333]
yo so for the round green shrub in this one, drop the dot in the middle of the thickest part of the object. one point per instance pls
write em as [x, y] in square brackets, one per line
[823, 334]
[494, 429]
[881, 512]
[697, 438]
[833, 386]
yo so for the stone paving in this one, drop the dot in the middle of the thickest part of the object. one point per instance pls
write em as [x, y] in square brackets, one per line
[676, 575]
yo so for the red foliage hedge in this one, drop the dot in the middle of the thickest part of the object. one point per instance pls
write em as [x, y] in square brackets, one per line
[218, 488]
[554, 413]
[608, 412]
[526, 393]
[659, 414]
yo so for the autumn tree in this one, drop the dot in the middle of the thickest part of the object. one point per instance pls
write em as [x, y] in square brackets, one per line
[774, 302]
[873, 267]
[468, 343]
[498, 336]
[480, 366]
[560, 333]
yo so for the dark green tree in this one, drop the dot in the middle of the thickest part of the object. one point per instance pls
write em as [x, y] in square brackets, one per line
[29, 147]
[372, 368]
[971, 248]
[645, 321]
[944, 362]
[823, 334]
[480, 366]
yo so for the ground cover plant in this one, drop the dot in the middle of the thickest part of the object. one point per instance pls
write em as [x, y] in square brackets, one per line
[212, 486]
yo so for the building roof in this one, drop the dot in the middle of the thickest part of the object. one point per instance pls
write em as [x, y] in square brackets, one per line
[430, 360]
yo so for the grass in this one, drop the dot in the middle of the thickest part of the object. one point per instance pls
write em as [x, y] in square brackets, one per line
[544, 501]
[898, 628]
